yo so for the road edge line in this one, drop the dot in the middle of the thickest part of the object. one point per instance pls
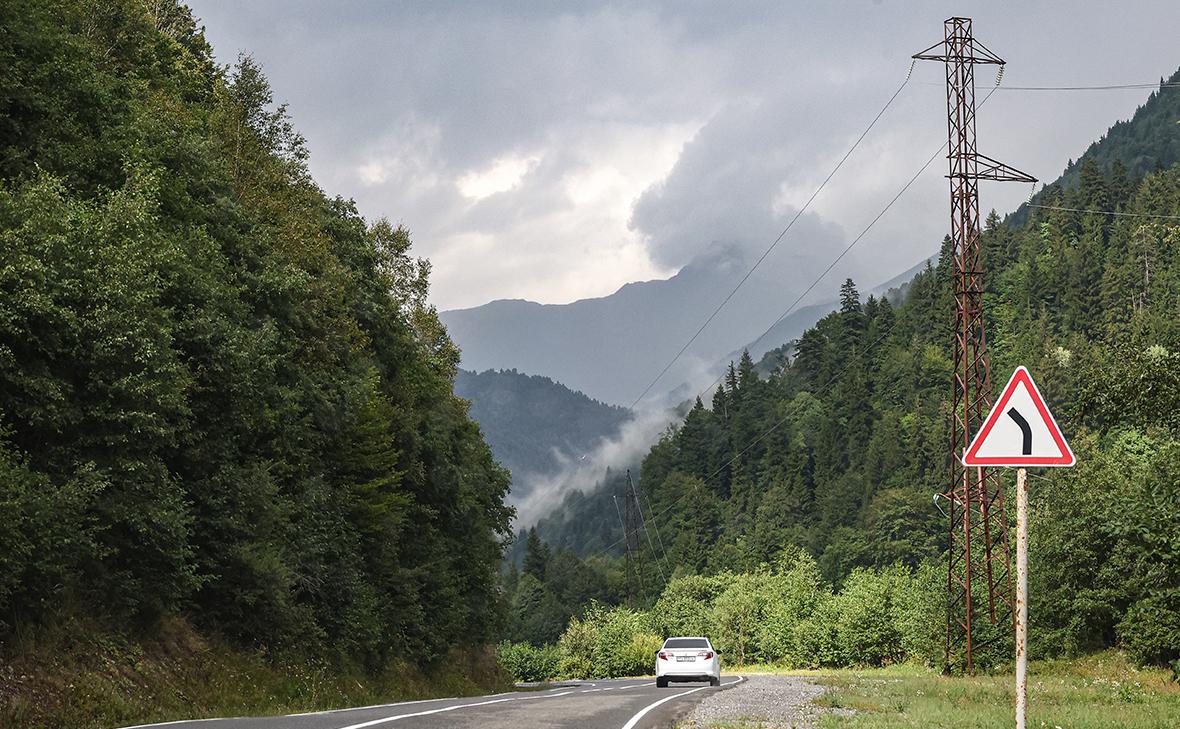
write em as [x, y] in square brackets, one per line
[643, 712]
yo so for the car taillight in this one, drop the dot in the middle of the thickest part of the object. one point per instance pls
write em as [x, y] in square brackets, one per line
[663, 656]
[705, 654]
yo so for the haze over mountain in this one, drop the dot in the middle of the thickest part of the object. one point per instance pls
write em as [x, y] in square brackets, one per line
[535, 426]
[611, 347]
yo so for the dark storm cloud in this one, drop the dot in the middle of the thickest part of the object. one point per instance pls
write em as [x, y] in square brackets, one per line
[557, 150]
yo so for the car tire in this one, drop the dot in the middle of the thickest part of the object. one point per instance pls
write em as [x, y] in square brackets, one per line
[661, 683]
[714, 681]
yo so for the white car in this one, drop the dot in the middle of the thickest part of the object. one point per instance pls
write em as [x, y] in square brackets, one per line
[687, 659]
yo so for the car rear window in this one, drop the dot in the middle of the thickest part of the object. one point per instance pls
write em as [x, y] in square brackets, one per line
[686, 643]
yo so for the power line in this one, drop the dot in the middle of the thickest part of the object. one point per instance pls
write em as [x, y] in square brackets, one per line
[1104, 212]
[815, 393]
[1106, 87]
[776, 241]
[837, 260]
[787, 417]
[656, 528]
[847, 248]
[663, 552]
[658, 558]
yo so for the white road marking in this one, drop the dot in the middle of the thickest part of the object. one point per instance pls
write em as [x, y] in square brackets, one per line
[182, 721]
[643, 712]
[387, 719]
[326, 711]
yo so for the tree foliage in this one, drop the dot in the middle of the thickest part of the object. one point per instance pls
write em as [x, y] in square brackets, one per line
[840, 449]
[222, 392]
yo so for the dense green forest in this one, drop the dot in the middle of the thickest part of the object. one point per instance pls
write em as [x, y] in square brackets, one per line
[533, 424]
[223, 396]
[839, 451]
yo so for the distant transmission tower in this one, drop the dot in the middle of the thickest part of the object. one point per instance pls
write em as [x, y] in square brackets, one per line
[634, 546]
[978, 543]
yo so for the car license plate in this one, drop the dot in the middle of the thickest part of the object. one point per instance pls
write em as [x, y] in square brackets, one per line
[685, 659]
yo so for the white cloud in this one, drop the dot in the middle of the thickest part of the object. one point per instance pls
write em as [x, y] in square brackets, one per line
[582, 471]
[514, 140]
[503, 175]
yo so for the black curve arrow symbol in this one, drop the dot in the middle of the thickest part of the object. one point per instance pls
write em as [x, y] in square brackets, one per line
[1026, 447]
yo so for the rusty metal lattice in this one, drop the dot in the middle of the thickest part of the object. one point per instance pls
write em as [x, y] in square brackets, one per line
[978, 528]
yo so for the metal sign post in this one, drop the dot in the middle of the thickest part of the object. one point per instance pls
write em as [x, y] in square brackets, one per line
[1021, 595]
[1020, 431]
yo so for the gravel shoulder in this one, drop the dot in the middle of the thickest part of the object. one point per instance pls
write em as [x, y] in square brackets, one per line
[761, 702]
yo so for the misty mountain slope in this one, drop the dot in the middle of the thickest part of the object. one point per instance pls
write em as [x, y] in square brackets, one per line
[1085, 275]
[611, 347]
[534, 425]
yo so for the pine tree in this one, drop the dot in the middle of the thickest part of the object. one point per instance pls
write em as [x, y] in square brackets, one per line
[536, 557]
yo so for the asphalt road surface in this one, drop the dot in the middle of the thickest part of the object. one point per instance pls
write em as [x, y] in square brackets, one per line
[633, 703]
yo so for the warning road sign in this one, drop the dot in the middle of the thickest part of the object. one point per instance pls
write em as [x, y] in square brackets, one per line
[1019, 431]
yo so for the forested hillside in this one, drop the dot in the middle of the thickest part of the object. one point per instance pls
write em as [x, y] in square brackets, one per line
[534, 425]
[841, 450]
[223, 396]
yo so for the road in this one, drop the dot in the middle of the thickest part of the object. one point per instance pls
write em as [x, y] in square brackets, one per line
[617, 704]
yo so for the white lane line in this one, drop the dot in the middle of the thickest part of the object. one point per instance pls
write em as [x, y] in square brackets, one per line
[643, 712]
[387, 719]
[326, 711]
[182, 721]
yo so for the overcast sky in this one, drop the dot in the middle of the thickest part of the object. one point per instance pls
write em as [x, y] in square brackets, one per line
[555, 151]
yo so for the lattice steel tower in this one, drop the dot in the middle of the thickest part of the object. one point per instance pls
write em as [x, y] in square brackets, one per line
[978, 540]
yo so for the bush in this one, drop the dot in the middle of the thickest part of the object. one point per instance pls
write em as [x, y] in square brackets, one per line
[876, 619]
[1150, 631]
[921, 615]
[738, 617]
[796, 593]
[529, 663]
[685, 605]
[817, 639]
[868, 612]
[608, 642]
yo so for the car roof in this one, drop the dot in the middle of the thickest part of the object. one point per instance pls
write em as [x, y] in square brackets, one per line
[688, 637]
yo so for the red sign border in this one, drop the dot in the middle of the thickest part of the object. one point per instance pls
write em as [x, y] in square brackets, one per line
[1021, 375]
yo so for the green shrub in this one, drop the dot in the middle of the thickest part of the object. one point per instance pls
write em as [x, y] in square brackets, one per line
[528, 663]
[868, 625]
[817, 639]
[608, 642]
[1150, 631]
[738, 616]
[685, 605]
[796, 593]
[921, 615]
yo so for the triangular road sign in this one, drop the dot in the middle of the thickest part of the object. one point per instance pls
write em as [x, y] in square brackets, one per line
[1019, 431]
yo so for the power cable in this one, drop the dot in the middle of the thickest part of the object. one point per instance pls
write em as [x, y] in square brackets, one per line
[788, 416]
[643, 523]
[656, 527]
[847, 248]
[817, 392]
[663, 553]
[1108, 87]
[1104, 212]
[1105, 87]
[776, 241]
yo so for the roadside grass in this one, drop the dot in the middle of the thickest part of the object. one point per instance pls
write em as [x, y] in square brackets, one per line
[1103, 690]
[76, 676]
